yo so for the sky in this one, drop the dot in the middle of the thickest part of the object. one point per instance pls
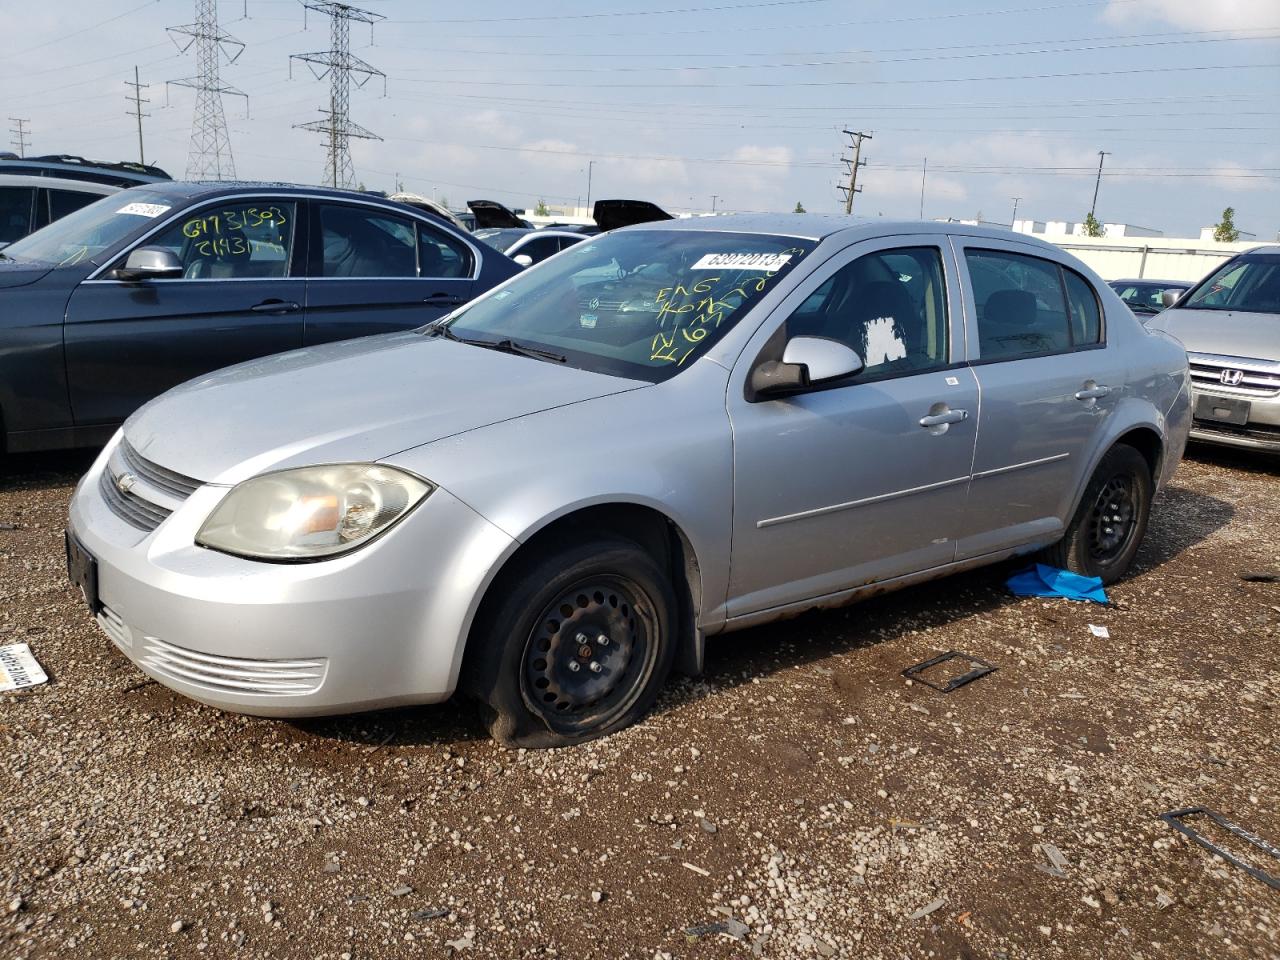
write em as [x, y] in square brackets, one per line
[677, 101]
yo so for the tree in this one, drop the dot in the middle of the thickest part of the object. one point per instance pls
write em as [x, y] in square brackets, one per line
[1092, 228]
[541, 210]
[799, 208]
[1226, 231]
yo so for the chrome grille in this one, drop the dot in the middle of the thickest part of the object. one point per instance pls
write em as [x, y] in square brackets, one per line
[156, 475]
[130, 507]
[233, 674]
[1258, 378]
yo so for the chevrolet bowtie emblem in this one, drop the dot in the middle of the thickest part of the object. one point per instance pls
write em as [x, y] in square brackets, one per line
[125, 482]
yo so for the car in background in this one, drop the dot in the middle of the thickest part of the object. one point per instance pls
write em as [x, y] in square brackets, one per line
[491, 215]
[1146, 297]
[527, 246]
[35, 191]
[122, 299]
[1230, 324]
[550, 498]
[427, 205]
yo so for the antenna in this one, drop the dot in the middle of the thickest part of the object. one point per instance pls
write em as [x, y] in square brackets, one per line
[209, 157]
[339, 64]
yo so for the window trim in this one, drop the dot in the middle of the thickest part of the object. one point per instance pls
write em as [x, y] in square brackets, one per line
[962, 253]
[302, 200]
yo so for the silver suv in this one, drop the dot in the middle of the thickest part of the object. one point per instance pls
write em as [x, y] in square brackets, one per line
[552, 496]
[1230, 325]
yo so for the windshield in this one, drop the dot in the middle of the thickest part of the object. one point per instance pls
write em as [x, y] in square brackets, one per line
[501, 239]
[1248, 283]
[84, 234]
[1145, 297]
[641, 304]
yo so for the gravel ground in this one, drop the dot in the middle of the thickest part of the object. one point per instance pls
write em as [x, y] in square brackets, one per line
[799, 800]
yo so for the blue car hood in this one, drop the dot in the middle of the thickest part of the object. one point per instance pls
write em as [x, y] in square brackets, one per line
[355, 401]
[19, 273]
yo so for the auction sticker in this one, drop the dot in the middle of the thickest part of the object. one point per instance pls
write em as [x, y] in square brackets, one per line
[18, 668]
[742, 261]
[143, 209]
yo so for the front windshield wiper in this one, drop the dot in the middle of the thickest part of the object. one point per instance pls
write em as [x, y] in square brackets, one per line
[505, 345]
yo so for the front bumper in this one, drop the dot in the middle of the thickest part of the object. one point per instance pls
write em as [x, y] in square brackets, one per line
[1260, 432]
[382, 626]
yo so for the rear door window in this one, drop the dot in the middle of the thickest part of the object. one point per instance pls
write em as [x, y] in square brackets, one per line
[1021, 304]
[16, 207]
[364, 242]
[442, 255]
[1086, 316]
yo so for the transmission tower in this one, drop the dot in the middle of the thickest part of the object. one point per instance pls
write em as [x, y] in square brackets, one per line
[209, 157]
[339, 64]
[20, 134]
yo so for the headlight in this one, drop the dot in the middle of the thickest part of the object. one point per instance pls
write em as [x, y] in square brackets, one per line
[311, 512]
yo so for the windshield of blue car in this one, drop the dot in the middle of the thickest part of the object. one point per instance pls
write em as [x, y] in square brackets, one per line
[1248, 283]
[643, 304]
[81, 235]
[501, 239]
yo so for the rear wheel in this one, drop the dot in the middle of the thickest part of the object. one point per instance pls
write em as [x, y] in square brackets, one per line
[577, 646]
[1107, 529]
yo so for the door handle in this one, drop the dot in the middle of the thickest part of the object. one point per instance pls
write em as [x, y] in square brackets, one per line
[1093, 393]
[443, 300]
[275, 306]
[944, 418]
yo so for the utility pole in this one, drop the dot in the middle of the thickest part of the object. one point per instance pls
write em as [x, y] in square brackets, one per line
[1014, 218]
[924, 172]
[19, 135]
[209, 157]
[590, 165]
[339, 64]
[136, 112]
[855, 139]
[1102, 154]
[714, 198]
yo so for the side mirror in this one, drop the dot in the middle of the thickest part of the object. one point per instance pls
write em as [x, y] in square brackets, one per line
[806, 362]
[1170, 297]
[150, 263]
[523, 259]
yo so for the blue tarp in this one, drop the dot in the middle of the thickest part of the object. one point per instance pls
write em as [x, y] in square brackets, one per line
[1045, 581]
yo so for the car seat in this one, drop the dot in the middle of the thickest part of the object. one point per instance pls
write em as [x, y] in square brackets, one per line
[1008, 324]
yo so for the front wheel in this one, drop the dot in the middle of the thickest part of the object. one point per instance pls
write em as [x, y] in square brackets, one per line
[1107, 529]
[577, 645]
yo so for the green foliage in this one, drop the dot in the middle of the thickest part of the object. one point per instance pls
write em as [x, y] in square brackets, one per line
[799, 208]
[1092, 228]
[541, 210]
[1226, 231]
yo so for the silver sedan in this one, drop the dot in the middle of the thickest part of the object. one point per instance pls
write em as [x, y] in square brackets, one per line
[550, 498]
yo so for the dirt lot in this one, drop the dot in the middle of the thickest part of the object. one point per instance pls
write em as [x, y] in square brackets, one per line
[801, 794]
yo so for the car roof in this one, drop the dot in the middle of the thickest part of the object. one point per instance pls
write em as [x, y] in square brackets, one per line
[205, 189]
[1154, 281]
[818, 226]
[68, 167]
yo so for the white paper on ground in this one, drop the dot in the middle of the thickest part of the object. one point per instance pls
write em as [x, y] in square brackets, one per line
[18, 668]
[1101, 633]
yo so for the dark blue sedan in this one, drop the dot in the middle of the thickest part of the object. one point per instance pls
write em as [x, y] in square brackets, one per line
[125, 298]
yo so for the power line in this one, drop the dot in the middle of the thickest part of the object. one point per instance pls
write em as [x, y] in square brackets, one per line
[138, 100]
[339, 64]
[19, 141]
[209, 156]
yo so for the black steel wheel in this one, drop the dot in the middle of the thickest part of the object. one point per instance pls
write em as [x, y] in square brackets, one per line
[1111, 520]
[575, 644]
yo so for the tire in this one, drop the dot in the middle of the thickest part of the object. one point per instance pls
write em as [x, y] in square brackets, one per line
[1096, 543]
[576, 645]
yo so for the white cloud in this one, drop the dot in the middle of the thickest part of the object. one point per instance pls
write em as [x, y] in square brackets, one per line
[1198, 14]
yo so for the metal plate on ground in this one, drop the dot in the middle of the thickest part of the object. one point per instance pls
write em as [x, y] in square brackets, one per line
[977, 668]
[1175, 819]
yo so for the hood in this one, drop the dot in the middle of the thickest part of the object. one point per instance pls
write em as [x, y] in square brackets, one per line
[353, 401]
[19, 273]
[490, 213]
[612, 214]
[1231, 333]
